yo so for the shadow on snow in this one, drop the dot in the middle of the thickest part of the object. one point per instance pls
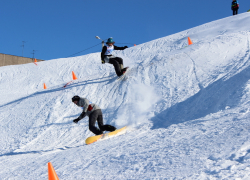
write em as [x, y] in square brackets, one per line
[108, 79]
[215, 97]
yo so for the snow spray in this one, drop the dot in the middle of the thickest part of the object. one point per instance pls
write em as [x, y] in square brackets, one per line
[141, 101]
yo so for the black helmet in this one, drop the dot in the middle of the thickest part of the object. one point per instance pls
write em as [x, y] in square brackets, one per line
[75, 98]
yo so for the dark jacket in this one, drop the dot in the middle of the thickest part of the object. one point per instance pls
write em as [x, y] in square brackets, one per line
[104, 49]
[235, 5]
[87, 108]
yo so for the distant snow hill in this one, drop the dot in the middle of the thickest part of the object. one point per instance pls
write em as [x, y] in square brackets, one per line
[187, 108]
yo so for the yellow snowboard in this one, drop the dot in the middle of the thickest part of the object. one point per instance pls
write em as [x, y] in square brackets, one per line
[92, 139]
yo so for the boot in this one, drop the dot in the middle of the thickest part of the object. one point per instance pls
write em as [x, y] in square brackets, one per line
[124, 70]
[109, 128]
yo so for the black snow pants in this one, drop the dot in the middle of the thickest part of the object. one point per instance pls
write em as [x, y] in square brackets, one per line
[118, 65]
[235, 11]
[96, 115]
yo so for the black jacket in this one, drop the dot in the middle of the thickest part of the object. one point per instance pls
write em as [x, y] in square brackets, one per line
[235, 5]
[104, 49]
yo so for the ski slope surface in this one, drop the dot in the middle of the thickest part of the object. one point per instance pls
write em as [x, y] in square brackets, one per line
[187, 109]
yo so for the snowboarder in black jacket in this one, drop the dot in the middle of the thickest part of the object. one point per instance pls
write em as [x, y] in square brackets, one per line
[235, 7]
[107, 56]
[95, 114]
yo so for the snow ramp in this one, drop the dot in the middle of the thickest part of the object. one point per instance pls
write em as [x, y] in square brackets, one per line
[187, 108]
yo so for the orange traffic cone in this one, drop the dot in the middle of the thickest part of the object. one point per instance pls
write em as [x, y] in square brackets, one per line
[189, 41]
[51, 172]
[74, 76]
[44, 86]
[35, 62]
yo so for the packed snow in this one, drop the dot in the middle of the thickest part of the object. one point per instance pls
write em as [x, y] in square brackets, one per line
[187, 109]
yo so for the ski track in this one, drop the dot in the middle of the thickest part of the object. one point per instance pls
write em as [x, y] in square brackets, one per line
[186, 108]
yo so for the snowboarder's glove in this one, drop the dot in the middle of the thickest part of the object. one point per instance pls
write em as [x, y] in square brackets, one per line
[126, 47]
[103, 62]
[76, 120]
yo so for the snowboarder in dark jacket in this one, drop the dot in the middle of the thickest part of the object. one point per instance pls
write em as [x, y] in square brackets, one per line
[107, 56]
[95, 114]
[235, 6]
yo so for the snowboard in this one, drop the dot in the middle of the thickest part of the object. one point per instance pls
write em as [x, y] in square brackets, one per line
[93, 139]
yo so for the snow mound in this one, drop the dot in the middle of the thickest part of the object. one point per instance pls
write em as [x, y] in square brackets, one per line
[187, 108]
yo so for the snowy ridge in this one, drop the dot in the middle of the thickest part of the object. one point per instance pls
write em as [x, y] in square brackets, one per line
[187, 108]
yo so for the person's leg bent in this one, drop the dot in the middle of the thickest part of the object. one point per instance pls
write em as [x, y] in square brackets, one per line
[116, 66]
[100, 119]
[100, 123]
[92, 119]
[120, 60]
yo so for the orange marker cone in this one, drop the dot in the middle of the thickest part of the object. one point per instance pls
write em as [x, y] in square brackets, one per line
[134, 44]
[51, 172]
[74, 76]
[189, 41]
[44, 86]
[35, 62]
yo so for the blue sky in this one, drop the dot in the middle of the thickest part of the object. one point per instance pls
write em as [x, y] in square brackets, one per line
[62, 28]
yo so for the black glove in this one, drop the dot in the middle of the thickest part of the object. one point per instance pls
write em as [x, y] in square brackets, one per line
[76, 120]
[126, 47]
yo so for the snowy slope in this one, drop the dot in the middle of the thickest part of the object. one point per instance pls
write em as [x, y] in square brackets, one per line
[187, 108]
